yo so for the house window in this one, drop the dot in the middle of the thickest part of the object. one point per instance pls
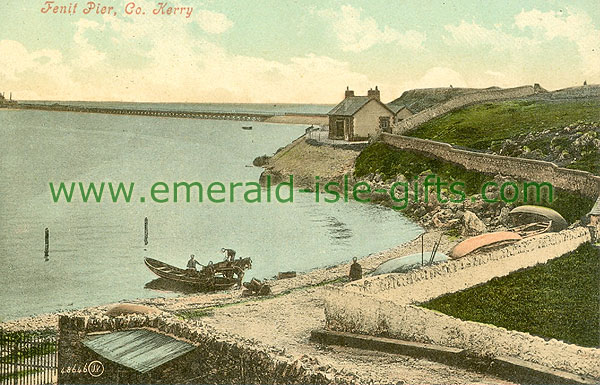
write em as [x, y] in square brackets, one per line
[384, 123]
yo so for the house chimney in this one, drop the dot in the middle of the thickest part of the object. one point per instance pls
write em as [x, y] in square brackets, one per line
[348, 93]
[374, 94]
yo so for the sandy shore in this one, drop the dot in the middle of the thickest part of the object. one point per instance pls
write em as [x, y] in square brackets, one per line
[316, 277]
[316, 120]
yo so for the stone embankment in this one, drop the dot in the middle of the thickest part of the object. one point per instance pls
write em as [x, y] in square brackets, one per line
[523, 169]
[384, 305]
[218, 357]
[305, 162]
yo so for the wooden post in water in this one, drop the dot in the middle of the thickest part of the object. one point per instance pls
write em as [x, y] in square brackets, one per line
[46, 242]
[422, 249]
[146, 231]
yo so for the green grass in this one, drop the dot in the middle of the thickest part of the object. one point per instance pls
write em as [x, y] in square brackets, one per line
[18, 374]
[479, 125]
[28, 350]
[558, 299]
[385, 160]
[388, 161]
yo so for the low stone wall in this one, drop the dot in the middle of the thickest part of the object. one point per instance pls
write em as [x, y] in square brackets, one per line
[218, 358]
[383, 306]
[458, 102]
[525, 169]
[359, 313]
[453, 275]
[587, 91]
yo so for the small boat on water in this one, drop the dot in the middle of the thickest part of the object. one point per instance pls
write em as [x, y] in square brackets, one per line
[529, 220]
[246, 127]
[484, 242]
[219, 276]
[409, 262]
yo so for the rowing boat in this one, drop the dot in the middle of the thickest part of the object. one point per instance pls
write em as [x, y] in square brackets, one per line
[484, 242]
[204, 279]
[529, 214]
[409, 262]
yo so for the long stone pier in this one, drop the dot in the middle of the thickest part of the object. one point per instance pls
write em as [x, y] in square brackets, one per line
[241, 116]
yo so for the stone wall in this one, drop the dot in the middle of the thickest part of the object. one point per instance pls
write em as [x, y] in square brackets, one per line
[218, 358]
[525, 169]
[458, 102]
[360, 313]
[587, 91]
[453, 275]
[383, 306]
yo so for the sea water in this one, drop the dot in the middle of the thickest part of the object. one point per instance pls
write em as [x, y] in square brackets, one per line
[97, 250]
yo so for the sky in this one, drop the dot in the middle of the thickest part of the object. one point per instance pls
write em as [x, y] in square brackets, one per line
[283, 51]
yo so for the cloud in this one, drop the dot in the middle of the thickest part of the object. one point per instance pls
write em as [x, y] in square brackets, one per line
[536, 40]
[577, 27]
[194, 69]
[437, 77]
[88, 55]
[356, 33]
[33, 74]
[474, 35]
[212, 22]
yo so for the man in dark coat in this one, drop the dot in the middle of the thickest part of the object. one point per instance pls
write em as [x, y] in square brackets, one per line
[355, 270]
[191, 265]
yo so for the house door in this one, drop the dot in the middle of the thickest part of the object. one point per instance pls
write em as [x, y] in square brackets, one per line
[339, 129]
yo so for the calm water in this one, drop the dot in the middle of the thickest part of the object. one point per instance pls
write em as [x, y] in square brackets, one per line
[96, 249]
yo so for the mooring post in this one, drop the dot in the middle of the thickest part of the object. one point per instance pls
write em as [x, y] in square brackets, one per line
[46, 242]
[146, 231]
[422, 249]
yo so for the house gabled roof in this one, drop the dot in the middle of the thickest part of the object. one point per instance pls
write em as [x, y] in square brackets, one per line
[351, 105]
[395, 108]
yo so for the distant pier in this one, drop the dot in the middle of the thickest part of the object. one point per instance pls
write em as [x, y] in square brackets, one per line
[242, 116]
[215, 115]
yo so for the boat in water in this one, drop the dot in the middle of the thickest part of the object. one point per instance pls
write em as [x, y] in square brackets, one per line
[246, 127]
[219, 276]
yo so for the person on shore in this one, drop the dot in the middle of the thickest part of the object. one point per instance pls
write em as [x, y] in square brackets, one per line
[355, 270]
[229, 254]
[191, 265]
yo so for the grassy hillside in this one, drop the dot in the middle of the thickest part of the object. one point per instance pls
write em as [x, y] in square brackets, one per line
[485, 126]
[558, 299]
[421, 99]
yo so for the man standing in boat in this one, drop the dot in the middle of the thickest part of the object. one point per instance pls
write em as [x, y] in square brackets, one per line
[229, 254]
[191, 265]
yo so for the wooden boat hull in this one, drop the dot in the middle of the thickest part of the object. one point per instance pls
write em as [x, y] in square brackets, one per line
[189, 277]
[408, 263]
[526, 214]
[483, 241]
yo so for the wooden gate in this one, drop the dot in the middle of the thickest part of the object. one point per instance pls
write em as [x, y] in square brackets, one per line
[28, 358]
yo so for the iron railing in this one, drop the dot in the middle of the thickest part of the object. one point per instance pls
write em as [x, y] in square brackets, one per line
[28, 358]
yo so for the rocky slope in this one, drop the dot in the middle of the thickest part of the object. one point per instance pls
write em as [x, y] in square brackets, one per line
[574, 146]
